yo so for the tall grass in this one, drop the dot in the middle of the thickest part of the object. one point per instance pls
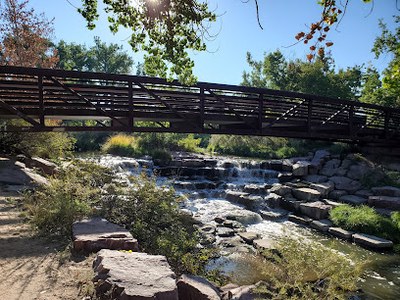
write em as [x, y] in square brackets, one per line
[121, 144]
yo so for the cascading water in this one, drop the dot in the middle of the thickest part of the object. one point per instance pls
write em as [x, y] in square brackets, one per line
[205, 189]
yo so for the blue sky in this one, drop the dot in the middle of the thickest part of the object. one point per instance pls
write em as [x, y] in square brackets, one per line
[238, 32]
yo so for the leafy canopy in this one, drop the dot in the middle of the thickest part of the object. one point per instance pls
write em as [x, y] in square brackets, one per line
[164, 29]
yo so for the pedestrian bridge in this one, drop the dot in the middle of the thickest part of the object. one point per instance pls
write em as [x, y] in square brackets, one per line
[83, 101]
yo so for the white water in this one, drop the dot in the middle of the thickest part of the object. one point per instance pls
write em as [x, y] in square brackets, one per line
[381, 280]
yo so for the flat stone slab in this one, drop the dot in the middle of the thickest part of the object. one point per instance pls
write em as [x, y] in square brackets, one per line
[389, 191]
[306, 194]
[341, 233]
[316, 210]
[273, 214]
[133, 276]
[372, 241]
[387, 202]
[92, 235]
[321, 225]
[353, 199]
[195, 287]
[225, 232]
[299, 219]
[346, 184]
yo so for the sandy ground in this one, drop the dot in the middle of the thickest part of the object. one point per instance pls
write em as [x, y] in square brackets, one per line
[33, 268]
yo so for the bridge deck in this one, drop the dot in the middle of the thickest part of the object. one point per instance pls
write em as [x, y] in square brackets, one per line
[122, 102]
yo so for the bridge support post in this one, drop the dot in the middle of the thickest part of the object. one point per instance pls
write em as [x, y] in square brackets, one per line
[130, 101]
[260, 112]
[41, 100]
[202, 109]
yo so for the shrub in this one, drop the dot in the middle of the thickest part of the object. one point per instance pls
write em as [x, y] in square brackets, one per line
[306, 270]
[121, 144]
[152, 214]
[366, 220]
[161, 156]
[190, 143]
[70, 195]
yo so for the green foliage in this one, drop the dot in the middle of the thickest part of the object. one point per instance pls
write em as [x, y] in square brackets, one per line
[68, 197]
[161, 155]
[98, 58]
[121, 144]
[152, 215]
[165, 30]
[190, 143]
[387, 91]
[306, 270]
[53, 145]
[365, 219]
[318, 77]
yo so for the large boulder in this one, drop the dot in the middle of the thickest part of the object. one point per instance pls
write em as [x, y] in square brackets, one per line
[300, 168]
[324, 188]
[316, 178]
[281, 190]
[47, 167]
[390, 191]
[196, 288]
[306, 194]
[346, 184]
[316, 210]
[15, 173]
[91, 235]
[133, 276]
[248, 236]
[357, 171]
[392, 203]
[330, 167]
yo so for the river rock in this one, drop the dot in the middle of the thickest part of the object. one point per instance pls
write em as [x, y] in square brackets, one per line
[47, 167]
[273, 214]
[353, 199]
[195, 287]
[357, 171]
[341, 233]
[291, 204]
[244, 292]
[264, 244]
[299, 219]
[372, 241]
[285, 177]
[316, 178]
[208, 229]
[244, 216]
[321, 225]
[392, 203]
[15, 173]
[225, 232]
[91, 235]
[281, 190]
[324, 188]
[235, 196]
[390, 191]
[345, 183]
[251, 201]
[319, 157]
[133, 276]
[273, 200]
[300, 168]
[364, 193]
[316, 210]
[255, 188]
[330, 167]
[249, 236]
[207, 239]
[306, 194]
[336, 194]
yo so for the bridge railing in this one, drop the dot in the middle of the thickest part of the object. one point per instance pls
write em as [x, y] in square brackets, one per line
[123, 102]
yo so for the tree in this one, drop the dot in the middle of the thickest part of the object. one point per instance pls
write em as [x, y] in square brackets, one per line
[388, 91]
[167, 29]
[25, 36]
[318, 77]
[98, 58]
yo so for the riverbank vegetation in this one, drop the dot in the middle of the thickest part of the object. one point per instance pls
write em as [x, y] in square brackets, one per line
[366, 219]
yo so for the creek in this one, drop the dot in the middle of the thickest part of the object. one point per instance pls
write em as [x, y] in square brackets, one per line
[206, 199]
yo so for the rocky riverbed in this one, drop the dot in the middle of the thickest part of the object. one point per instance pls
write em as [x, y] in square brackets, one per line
[244, 205]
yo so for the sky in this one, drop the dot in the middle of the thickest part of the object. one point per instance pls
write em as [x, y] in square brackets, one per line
[237, 32]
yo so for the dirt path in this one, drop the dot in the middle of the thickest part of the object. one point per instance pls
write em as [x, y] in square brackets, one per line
[32, 268]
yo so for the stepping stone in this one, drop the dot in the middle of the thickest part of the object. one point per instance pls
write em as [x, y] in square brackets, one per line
[353, 200]
[225, 232]
[306, 194]
[195, 287]
[371, 241]
[321, 225]
[392, 203]
[341, 233]
[299, 219]
[316, 210]
[133, 276]
[249, 236]
[92, 235]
